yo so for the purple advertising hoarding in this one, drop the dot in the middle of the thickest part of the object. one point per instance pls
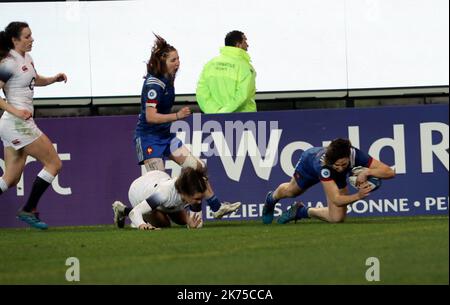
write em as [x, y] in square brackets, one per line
[247, 155]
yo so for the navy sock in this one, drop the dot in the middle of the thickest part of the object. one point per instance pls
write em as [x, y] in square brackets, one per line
[127, 211]
[39, 187]
[270, 200]
[302, 212]
[214, 203]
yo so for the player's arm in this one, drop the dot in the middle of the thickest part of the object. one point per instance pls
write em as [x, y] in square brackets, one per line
[20, 113]
[373, 167]
[153, 96]
[341, 198]
[136, 214]
[42, 81]
[153, 117]
[144, 207]
[377, 169]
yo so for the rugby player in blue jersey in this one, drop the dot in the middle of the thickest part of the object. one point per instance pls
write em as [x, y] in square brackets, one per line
[329, 165]
[153, 139]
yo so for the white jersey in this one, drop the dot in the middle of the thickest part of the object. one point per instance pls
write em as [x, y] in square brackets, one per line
[19, 75]
[158, 189]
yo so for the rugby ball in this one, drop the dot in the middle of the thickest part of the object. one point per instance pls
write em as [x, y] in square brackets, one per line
[374, 182]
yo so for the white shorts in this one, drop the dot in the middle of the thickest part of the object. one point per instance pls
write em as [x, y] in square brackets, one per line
[18, 133]
[144, 186]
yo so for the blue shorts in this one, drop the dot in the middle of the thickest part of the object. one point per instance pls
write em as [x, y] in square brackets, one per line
[150, 146]
[303, 180]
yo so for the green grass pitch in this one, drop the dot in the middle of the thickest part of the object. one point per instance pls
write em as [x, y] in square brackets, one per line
[410, 250]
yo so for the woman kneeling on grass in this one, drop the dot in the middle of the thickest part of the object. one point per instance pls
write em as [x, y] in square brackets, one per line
[157, 199]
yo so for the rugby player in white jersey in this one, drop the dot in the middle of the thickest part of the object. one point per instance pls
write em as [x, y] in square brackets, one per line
[18, 131]
[157, 200]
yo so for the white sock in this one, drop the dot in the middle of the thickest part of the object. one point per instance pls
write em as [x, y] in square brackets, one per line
[46, 176]
[3, 185]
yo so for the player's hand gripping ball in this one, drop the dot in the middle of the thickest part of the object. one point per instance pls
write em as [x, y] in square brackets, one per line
[374, 182]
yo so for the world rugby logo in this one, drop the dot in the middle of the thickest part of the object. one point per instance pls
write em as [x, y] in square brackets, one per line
[152, 94]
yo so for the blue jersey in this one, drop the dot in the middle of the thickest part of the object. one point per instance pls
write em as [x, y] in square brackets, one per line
[158, 93]
[311, 167]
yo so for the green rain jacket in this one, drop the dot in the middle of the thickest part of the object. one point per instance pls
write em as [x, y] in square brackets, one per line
[227, 83]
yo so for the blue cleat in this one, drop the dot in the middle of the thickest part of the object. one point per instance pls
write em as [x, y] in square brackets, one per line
[291, 214]
[32, 219]
[268, 210]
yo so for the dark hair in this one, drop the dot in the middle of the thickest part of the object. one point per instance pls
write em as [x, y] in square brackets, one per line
[191, 181]
[338, 149]
[233, 38]
[13, 30]
[156, 66]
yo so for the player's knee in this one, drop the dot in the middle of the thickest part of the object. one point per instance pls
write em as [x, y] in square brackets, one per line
[54, 167]
[58, 165]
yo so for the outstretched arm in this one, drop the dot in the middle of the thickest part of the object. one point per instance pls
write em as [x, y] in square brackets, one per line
[45, 81]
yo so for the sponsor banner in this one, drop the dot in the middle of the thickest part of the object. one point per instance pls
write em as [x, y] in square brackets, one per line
[247, 155]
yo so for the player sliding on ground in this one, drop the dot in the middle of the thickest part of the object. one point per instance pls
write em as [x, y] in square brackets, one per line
[330, 165]
[158, 199]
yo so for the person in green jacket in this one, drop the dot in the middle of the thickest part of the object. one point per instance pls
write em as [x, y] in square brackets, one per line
[227, 82]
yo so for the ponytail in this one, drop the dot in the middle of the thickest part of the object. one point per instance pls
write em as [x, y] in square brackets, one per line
[5, 44]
